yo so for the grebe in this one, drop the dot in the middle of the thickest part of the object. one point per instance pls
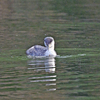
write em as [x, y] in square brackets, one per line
[39, 50]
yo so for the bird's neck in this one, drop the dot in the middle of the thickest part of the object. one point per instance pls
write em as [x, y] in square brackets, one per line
[52, 48]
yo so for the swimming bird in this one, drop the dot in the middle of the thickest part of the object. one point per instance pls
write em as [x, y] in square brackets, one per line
[39, 50]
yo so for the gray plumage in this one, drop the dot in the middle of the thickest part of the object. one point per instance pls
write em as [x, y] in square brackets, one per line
[36, 50]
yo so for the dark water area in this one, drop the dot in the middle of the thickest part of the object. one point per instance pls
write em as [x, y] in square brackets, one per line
[74, 74]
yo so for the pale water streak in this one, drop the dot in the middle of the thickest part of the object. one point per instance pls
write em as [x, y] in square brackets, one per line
[68, 56]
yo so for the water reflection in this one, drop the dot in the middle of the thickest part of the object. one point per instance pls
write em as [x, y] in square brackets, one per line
[46, 65]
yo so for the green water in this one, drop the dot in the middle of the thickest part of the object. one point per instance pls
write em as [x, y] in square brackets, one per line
[74, 74]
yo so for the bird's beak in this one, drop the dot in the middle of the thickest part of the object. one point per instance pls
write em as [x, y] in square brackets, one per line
[49, 45]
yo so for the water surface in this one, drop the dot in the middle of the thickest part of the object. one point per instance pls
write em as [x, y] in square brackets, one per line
[74, 74]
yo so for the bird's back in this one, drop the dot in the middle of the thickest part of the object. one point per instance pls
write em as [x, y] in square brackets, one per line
[36, 50]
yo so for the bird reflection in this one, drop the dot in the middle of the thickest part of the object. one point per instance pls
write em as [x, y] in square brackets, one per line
[47, 65]
[39, 64]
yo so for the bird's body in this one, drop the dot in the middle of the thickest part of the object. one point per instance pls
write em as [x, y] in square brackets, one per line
[39, 50]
